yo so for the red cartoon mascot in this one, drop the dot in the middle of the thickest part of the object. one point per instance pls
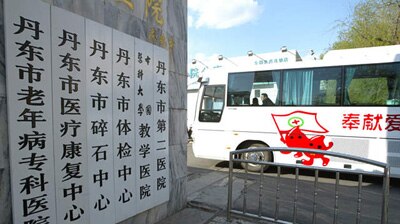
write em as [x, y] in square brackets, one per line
[292, 128]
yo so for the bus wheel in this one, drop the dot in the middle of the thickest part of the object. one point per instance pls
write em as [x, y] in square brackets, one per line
[256, 156]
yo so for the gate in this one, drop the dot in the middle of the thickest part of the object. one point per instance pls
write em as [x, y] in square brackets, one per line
[236, 157]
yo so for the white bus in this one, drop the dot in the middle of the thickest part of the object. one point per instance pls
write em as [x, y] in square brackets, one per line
[349, 102]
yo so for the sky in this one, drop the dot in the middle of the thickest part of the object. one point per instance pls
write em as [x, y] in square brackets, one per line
[233, 27]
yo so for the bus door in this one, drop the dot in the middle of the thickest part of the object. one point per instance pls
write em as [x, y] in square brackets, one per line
[208, 130]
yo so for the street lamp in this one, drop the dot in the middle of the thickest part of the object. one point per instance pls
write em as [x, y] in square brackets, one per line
[194, 61]
[284, 50]
[221, 57]
[312, 53]
[251, 53]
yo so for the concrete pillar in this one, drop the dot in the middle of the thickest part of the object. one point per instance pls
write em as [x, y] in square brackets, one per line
[170, 34]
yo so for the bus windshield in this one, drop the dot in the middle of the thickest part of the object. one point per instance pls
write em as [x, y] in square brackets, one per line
[212, 104]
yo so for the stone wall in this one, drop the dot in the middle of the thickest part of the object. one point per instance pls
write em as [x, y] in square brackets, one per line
[170, 34]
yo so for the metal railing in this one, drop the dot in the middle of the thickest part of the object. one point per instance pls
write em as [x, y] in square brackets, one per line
[236, 156]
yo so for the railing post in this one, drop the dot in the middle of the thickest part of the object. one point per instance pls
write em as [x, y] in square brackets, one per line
[296, 191]
[336, 208]
[278, 178]
[230, 182]
[338, 172]
[359, 199]
[260, 193]
[314, 216]
[385, 193]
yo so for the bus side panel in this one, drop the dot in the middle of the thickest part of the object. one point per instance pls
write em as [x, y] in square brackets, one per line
[211, 144]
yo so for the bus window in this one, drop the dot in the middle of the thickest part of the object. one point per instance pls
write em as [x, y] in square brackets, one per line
[267, 82]
[212, 104]
[327, 84]
[372, 85]
[239, 87]
[244, 88]
[311, 87]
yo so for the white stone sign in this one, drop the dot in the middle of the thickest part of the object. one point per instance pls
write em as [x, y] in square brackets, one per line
[124, 126]
[30, 110]
[88, 118]
[160, 105]
[144, 118]
[69, 112]
[100, 125]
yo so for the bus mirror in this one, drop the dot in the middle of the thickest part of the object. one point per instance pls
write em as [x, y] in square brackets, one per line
[203, 81]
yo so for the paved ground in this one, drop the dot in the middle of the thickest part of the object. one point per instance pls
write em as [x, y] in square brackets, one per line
[207, 197]
[207, 194]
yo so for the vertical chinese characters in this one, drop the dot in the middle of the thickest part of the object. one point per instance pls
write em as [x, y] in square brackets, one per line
[144, 126]
[123, 120]
[30, 113]
[161, 92]
[68, 71]
[33, 98]
[100, 125]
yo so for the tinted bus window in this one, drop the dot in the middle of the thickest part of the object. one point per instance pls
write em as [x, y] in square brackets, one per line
[245, 89]
[312, 87]
[372, 85]
[212, 104]
[239, 88]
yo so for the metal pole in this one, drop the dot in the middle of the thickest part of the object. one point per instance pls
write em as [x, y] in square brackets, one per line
[314, 217]
[385, 201]
[359, 198]
[296, 191]
[278, 177]
[230, 180]
[245, 188]
[260, 194]
[336, 209]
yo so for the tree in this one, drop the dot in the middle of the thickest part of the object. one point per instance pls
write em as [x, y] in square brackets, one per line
[374, 23]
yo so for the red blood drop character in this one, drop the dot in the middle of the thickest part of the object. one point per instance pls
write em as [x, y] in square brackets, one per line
[317, 142]
[296, 139]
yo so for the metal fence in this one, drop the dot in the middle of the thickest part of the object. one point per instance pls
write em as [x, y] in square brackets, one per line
[236, 157]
